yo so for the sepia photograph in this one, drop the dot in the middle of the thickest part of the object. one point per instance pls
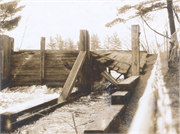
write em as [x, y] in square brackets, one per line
[89, 66]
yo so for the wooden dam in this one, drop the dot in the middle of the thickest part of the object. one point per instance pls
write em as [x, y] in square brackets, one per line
[68, 69]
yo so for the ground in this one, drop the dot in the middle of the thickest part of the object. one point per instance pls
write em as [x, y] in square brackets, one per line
[86, 109]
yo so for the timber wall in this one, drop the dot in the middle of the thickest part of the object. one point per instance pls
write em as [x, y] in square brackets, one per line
[25, 67]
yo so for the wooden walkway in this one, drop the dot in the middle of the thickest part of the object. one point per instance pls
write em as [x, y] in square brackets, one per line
[119, 61]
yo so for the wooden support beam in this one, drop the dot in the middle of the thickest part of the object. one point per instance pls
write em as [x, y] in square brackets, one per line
[5, 59]
[85, 73]
[42, 62]
[135, 32]
[111, 79]
[68, 86]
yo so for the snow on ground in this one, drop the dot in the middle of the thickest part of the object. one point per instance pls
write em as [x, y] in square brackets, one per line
[18, 98]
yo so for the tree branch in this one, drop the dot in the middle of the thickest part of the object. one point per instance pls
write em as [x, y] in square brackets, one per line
[153, 29]
[177, 17]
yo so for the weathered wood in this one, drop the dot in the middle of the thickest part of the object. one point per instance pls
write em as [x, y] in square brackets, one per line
[12, 46]
[61, 58]
[107, 76]
[120, 97]
[42, 64]
[24, 78]
[25, 62]
[85, 73]
[26, 72]
[62, 77]
[21, 58]
[56, 69]
[5, 44]
[135, 32]
[23, 83]
[67, 88]
[61, 72]
[111, 66]
[28, 65]
[128, 84]
[24, 68]
[107, 122]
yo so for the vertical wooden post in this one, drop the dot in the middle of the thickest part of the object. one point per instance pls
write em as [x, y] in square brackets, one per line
[42, 62]
[5, 60]
[135, 32]
[85, 79]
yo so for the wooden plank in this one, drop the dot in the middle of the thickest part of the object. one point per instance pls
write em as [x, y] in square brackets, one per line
[111, 66]
[62, 51]
[20, 59]
[42, 60]
[135, 30]
[61, 72]
[116, 67]
[111, 79]
[124, 67]
[56, 69]
[60, 78]
[22, 83]
[26, 72]
[128, 84]
[102, 52]
[60, 58]
[54, 64]
[5, 41]
[22, 68]
[28, 65]
[120, 97]
[107, 122]
[24, 78]
[25, 55]
[21, 63]
[67, 88]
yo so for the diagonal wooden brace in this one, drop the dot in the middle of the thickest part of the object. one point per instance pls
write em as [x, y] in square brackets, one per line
[107, 76]
[125, 84]
[68, 86]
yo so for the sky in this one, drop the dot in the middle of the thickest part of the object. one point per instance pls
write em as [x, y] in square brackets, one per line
[45, 18]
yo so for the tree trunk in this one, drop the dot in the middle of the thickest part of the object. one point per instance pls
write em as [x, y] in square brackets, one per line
[173, 53]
